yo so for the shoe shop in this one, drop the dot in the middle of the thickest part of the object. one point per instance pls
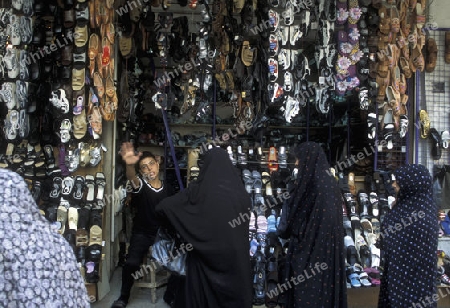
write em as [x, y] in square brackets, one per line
[306, 118]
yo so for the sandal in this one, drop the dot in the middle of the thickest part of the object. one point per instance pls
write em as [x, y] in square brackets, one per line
[364, 279]
[100, 182]
[82, 238]
[57, 187]
[95, 155]
[353, 277]
[372, 123]
[90, 184]
[404, 122]
[424, 124]
[78, 189]
[67, 185]
[388, 128]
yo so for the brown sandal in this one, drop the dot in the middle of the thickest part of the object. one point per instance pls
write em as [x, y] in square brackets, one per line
[404, 65]
[432, 52]
[93, 52]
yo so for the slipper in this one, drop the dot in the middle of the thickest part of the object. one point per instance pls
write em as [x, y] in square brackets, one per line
[90, 184]
[126, 46]
[73, 218]
[248, 180]
[61, 218]
[436, 152]
[81, 35]
[445, 136]
[420, 16]
[57, 187]
[364, 279]
[78, 79]
[353, 278]
[80, 125]
[432, 52]
[78, 188]
[95, 235]
[372, 124]
[100, 182]
[79, 101]
[67, 185]
[248, 53]
[374, 275]
[82, 238]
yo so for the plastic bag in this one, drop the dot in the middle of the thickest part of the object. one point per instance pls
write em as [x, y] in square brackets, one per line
[165, 252]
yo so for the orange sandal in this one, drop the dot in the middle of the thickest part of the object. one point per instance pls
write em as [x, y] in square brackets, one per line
[106, 55]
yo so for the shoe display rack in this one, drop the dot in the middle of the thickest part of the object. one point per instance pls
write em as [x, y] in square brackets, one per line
[433, 128]
[256, 77]
[57, 88]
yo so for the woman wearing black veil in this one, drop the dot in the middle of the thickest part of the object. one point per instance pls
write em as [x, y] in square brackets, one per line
[409, 240]
[218, 272]
[312, 220]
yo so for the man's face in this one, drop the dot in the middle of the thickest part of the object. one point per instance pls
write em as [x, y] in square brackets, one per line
[149, 168]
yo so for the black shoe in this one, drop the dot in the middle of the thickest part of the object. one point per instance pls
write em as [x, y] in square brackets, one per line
[120, 303]
[436, 144]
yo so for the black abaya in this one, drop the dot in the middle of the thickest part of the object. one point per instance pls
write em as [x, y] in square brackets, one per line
[409, 239]
[315, 261]
[218, 267]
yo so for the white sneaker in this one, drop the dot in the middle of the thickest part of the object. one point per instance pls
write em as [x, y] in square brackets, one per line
[8, 95]
[11, 125]
[11, 61]
[284, 58]
[288, 14]
[13, 29]
[24, 124]
[288, 80]
[22, 93]
[295, 34]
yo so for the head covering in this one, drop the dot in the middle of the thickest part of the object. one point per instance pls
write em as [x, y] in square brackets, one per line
[314, 223]
[409, 236]
[205, 215]
[37, 265]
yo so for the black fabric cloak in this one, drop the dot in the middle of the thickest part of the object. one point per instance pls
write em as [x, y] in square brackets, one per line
[315, 270]
[218, 267]
[409, 238]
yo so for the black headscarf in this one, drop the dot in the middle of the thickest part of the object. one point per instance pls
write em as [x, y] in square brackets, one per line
[409, 240]
[218, 267]
[314, 223]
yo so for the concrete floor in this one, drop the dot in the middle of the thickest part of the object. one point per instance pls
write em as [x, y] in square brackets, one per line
[140, 297]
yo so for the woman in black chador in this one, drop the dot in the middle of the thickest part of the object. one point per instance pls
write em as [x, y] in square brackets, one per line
[218, 267]
[409, 237]
[312, 220]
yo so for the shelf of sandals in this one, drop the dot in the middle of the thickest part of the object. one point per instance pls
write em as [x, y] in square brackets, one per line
[395, 56]
[58, 87]
[434, 127]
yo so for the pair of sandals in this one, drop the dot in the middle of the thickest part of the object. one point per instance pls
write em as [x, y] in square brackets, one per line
[357, 277]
